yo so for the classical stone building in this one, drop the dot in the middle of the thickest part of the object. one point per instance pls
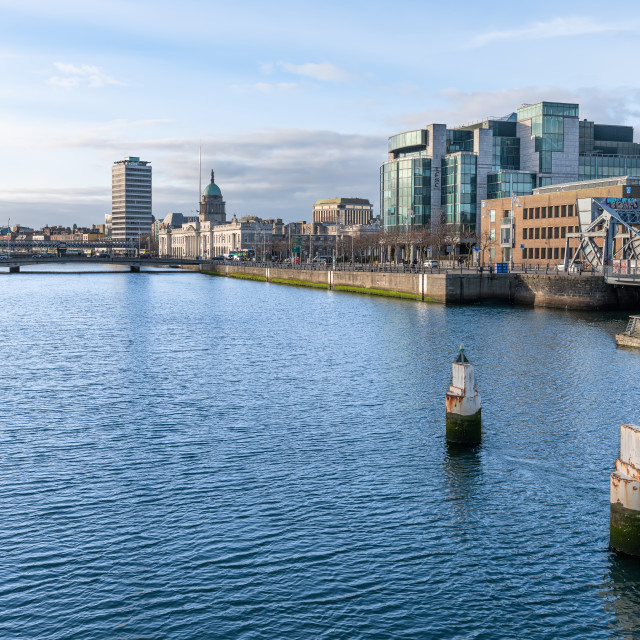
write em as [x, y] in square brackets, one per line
[190, 237]
[212, 206]
[209, 235]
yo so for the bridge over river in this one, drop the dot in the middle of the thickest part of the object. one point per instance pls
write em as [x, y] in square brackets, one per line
[14, 263]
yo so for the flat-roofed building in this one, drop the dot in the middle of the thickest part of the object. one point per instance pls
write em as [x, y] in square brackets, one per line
[538, 228]
[343, 211]
[130, 199]
[440, 175]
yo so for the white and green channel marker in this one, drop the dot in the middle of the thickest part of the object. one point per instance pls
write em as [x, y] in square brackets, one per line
[625, 493]
[464, 419]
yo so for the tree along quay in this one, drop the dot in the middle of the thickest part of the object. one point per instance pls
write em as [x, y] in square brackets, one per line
[588, 292]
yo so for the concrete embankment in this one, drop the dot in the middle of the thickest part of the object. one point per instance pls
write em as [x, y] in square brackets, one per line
[565, 291]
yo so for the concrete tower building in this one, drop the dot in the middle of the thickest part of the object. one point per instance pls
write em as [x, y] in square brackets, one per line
[130, 199]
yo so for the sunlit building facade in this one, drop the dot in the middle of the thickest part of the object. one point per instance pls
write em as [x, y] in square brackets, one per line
[438, 175]
[131, 215]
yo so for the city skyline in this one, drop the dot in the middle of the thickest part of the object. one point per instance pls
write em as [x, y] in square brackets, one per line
[289, 107]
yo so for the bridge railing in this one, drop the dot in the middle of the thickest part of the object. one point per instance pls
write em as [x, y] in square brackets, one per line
[623, 273]
[552, 269]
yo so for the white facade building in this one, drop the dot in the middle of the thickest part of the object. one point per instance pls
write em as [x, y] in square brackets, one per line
[210, 235]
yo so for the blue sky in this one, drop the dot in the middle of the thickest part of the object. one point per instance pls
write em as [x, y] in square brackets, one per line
[292, 102]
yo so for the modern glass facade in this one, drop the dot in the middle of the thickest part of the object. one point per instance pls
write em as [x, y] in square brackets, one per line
[459, 190]
[506, 153]
[440, 175]
[406, 194]
[562, 109]
[595, 165]
[504, 184]
[459, 140]
[417, 138]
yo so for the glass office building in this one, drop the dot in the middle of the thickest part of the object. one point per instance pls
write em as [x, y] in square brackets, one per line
[439, 175]
[459, 192]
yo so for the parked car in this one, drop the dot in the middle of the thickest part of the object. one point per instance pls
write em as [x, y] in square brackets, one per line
[576, 267]
[431, 263]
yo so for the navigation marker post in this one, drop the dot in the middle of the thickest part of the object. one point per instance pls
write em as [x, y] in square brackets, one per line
[464, 421]
[624, 528]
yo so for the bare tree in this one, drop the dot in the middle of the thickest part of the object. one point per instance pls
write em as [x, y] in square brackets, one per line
[484, 243]
[438, 237]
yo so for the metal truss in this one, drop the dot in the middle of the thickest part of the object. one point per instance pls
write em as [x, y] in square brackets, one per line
[608, 226]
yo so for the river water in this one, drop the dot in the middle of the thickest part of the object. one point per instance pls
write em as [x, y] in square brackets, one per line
[185, 456]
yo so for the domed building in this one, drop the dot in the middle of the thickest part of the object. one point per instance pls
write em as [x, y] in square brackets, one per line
[212, 206]
[210, 235]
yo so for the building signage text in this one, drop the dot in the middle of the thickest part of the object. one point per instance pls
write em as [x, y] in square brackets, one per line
[623, 204]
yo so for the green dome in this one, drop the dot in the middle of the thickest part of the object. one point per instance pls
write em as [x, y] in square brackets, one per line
[212, 189]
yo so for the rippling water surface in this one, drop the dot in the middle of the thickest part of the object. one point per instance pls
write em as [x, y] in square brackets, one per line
[193, 457]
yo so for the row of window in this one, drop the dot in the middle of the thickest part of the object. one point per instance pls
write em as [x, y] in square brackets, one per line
[561, 211]
[544, 233]
[546, 253]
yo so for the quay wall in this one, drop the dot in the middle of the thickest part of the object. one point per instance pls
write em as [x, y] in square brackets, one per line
[564, 291]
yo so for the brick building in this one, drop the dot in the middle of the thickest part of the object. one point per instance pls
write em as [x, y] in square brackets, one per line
[539, 231]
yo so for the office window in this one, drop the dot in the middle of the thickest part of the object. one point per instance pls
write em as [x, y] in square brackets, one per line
[543, 233]
[556, 252]
[561, 253]
[537, 232]
[569, 210]
[563, 211]
[530, 253]
[556, 232]
[563, 232]
[543, 253]
[537, 253]
[525, 212]
[556, 213]
[543, 212]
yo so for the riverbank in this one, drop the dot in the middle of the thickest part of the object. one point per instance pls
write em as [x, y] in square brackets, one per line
[586, 292]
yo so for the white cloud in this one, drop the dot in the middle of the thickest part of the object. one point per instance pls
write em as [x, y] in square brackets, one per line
[276, 86]
[616, 106]
[73, 76]
[265, 87]
[324, 71]
[273, 174]
[558, 27]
